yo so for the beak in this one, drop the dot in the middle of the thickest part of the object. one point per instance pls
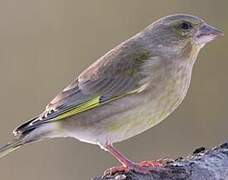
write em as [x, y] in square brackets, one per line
[207, 33]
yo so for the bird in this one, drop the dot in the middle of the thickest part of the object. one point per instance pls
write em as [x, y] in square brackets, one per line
[127, 91]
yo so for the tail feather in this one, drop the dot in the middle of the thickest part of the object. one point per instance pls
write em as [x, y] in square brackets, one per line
[25, 137]
[10, 147]
[27, 134]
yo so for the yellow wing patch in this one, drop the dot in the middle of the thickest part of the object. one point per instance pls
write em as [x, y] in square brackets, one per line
[80, 108]
[95, 102]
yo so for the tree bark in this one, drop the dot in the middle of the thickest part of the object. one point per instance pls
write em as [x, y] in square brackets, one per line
[203, 164]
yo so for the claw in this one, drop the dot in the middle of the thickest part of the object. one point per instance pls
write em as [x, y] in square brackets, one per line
[114, 170]
[121, 169]
[142, 167]
[127, 165]
[151, 164]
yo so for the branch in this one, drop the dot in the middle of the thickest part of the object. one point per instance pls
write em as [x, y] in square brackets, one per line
[202, 165]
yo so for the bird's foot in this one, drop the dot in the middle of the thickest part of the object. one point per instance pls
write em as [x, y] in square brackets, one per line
[142, 167]
[151, 163]
[116, 169]
[128, 165]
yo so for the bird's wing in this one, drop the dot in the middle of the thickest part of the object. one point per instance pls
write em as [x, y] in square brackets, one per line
[103, 81]
[114, 75]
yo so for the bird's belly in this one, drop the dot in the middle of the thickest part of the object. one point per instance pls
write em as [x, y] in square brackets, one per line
[126, 117]
[137, 120]
[118, 121]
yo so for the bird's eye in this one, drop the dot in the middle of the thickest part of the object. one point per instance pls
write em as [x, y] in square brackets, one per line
[185, 26]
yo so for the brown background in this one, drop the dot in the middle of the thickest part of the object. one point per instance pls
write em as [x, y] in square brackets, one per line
[44, 44]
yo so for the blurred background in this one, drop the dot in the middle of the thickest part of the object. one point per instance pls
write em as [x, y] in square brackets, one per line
[44, 44]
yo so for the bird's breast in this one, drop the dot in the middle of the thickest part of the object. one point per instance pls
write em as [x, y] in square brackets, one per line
[170, 92]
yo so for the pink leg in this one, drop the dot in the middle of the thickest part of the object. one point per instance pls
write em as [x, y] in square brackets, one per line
[120, 157]
[127, 164]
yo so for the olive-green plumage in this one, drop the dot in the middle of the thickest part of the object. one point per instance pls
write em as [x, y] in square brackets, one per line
[130, 89]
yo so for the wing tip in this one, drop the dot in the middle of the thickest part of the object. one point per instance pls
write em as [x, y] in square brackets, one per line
[23, 127]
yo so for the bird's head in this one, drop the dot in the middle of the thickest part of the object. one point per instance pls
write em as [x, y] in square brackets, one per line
[176, 32]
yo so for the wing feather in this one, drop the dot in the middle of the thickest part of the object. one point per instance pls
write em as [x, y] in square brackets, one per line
[115, 74]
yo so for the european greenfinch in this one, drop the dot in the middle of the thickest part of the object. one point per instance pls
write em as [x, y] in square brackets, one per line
[130, 89]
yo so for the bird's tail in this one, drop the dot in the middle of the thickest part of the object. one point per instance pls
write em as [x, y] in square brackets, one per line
[10, 147]
[28, 135]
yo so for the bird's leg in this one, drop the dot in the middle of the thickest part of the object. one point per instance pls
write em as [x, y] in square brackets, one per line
[128, 164]
[120, 157]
